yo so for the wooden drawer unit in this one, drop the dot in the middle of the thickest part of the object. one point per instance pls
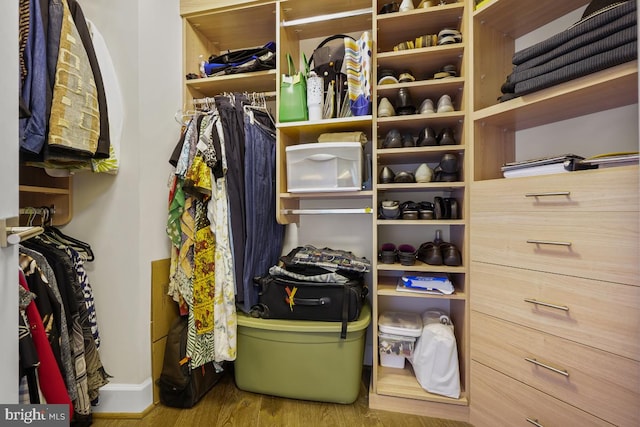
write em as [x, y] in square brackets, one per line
[602, 247]
[588, 191]
[599, 382]
[599, 314]
[499, 400]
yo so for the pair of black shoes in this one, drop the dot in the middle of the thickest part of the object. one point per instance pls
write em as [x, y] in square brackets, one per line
[427, 137]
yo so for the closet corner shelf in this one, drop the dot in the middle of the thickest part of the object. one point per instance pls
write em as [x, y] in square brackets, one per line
[413, 21]
[403, 383]
[566, 100]
[508, 16]
[257, 81]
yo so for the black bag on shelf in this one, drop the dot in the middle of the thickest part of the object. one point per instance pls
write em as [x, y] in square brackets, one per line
[242, 61]
[180, 386]
[281, 297]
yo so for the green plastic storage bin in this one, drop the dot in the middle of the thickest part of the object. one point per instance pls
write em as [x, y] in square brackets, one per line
[301, 359]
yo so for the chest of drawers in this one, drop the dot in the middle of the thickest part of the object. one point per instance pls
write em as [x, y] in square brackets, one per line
[556, 298]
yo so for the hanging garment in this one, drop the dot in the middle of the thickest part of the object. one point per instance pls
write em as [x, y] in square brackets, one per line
[50, 378]
[264, 234]
[358, 61]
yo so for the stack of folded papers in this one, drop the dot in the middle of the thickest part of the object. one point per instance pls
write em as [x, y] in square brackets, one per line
[435, 283]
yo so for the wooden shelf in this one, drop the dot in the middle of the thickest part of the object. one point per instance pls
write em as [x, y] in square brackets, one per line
[43, 190]
[295, 10]
[508, 16]
[394, 28]
[421, 222]
[429, 59]
[390, 156]
[403, 383]
[421, 267]
[328, 195]
[259, 81]
[610, 88]
[442, 186]
[390, 291]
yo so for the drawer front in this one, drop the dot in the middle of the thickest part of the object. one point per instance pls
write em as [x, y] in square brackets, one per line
[598, 314]
[581, 244]
[606, 190]
[502, 401]
[601, 383]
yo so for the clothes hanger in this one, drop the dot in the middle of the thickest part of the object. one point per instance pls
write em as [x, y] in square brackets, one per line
[55, 235]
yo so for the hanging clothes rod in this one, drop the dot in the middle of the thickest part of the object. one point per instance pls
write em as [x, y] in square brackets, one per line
[366, 210]
[210, 99]
[16, 235]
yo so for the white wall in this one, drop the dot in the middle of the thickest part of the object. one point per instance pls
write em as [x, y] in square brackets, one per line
[9, 199]
[585, 136]
[123, 216]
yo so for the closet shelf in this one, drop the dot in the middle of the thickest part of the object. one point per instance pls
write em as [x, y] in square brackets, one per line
[413, 154]
[424, 88]
[390, 291]
[446, 186]
[421, 267]
[442, 119]
[236, 27]
[258, 81]
[393, 28]
[507, 16]
[424, 58]
[610, 88]
[330, 195]
[403, 383]
[43, 190]
[443, 222]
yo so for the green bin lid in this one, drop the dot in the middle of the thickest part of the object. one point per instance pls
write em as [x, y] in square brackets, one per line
[361, 323]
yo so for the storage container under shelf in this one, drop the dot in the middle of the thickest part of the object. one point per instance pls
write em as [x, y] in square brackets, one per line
[300, 359]
[324, 167]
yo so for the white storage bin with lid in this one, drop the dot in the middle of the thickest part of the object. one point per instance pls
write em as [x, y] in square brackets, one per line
[324, 167]
[394, 349]
[396, 337]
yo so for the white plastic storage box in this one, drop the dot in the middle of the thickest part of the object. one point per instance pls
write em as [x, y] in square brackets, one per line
[324, 167]
[396, 337]
[394, 349]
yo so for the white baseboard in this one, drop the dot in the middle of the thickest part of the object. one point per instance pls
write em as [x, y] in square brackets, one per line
[125, 398]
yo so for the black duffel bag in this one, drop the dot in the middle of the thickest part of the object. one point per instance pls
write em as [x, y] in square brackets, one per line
[242, 61]
[282, 297]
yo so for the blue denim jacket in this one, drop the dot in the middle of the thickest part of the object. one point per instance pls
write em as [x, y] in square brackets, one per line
[33, 129]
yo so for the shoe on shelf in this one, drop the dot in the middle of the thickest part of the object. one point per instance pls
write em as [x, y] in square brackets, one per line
[446, 72]
[404, 103]
[445, 137]
[449, 36]
[406, 5]
[427, 137]
[387, 77]
[450, 254]
[389, 8]
[445, 105]
[426, 3]
[425, 210]
[409, 210]
[404, 177]
[404, 46]
[407, 140]
[385, 109]
[393, 139]
[427, 107]
[426, 41]
[429, 253]
[388, 253]
[406, 254]
[386, 176]
[423, 173]
[406, 76]
[389, 209]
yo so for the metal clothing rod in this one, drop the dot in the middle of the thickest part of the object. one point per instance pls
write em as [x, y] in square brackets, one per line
[16, 235]
[210, 99]
[326, 211]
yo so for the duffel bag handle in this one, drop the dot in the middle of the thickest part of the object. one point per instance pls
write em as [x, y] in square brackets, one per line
[327, 40]
[312, 301]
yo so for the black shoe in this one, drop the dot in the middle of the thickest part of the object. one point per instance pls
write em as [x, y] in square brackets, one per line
[393, 139]
[404, 103]
[427, 137]
[445, 137]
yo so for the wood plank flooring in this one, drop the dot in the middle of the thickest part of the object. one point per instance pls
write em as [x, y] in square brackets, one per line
[226, 405]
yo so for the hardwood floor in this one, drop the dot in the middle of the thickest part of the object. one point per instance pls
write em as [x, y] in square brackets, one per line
[226, 405]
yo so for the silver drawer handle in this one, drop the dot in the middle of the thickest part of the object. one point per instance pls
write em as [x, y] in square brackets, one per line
[534, 422]
[548, 242]
[551, 368]
[546, 304]
[552, 193]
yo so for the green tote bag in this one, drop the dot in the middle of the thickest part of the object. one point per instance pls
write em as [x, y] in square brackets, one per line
[293, 94]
